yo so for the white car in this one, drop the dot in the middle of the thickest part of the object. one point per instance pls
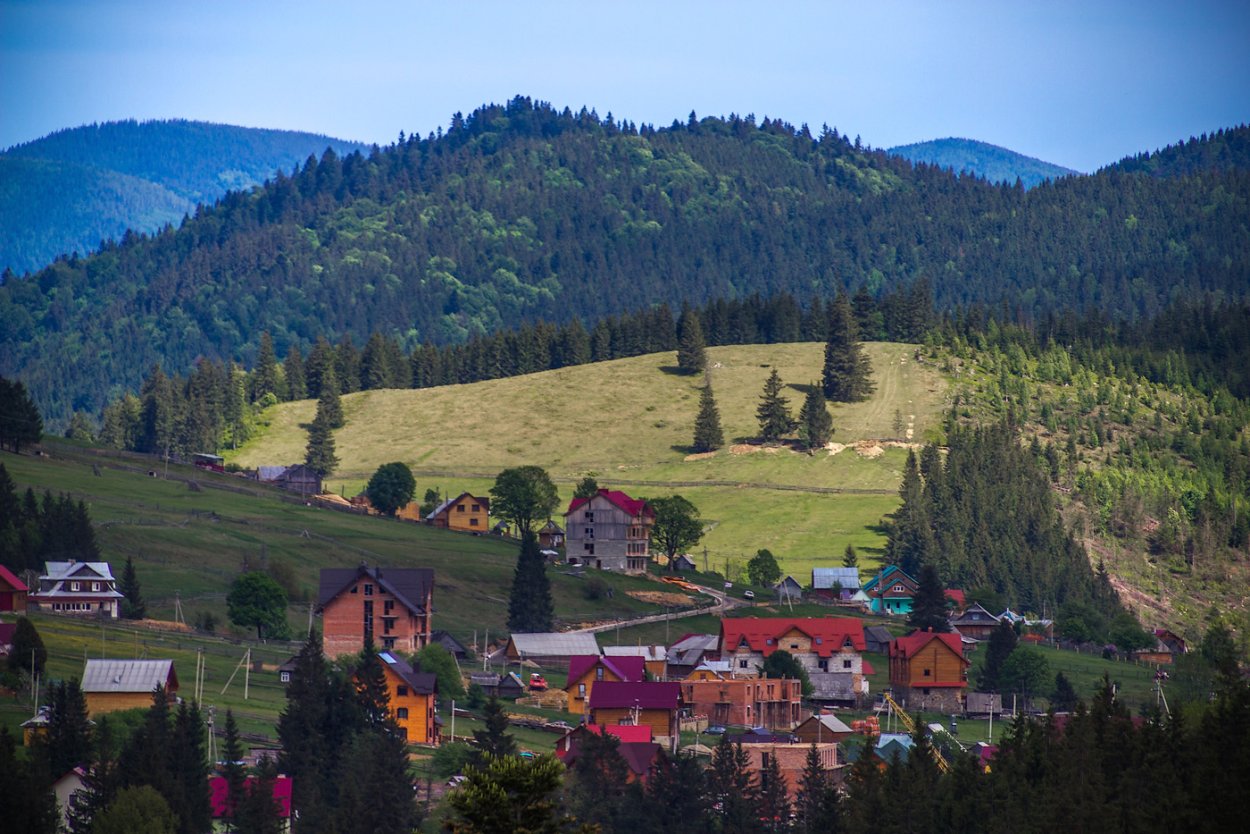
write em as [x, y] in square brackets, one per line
[748, 594]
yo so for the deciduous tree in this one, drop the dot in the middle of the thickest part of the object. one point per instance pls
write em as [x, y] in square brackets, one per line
[391, 488]
[524, 496]
[256, 601]
[677, 526]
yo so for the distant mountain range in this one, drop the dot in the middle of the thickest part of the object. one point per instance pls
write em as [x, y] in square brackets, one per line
[990, 162]
[72, 189]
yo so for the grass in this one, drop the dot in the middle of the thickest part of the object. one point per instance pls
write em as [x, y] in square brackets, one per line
[633, 433]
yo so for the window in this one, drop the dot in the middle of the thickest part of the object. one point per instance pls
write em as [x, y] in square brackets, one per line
[401, 691]
[598, 673]
[925, 690]
[388, 642]
[473, 522]
[95, 586]
[823, 665]
[476, 508]
[353, 590]
[794, 645]
[388, 606]
[846, 664]
[589, 547]
[589, 516]
[286, 677]
[73, 586]
[460, 508]
[368, 590]
[590, 533]
[742, 664]
[926, 673]
[402, 713]
[581, 690]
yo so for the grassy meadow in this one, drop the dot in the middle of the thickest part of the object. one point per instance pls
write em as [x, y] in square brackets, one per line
[629, 422]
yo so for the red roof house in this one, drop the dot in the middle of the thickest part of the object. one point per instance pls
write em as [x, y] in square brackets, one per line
[929, 670]
[12, 591]
[651, 703]
[610, 531]
[585, 671]
[219, 792]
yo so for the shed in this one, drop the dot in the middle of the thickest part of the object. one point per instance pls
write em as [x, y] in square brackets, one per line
[457, 649]
[821, 728]
[551, 649]
[111, 685]
[877, 639]
[789, 589]
[983, 704]
[835, 583]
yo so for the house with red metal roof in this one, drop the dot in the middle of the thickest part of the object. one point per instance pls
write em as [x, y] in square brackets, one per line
[609, 531]
[928, 671]
[587, 670]
[829, 648]
[651, 703]
[12, 591]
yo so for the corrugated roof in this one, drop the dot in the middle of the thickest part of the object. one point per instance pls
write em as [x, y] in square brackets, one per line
[127, 675]
[632, 506]
[824, 579]
[644, 695]
[828, 634]
[628, 668]
[554, 644]
[269, 473]
[77, 570]
[12, 580]
[646, 652]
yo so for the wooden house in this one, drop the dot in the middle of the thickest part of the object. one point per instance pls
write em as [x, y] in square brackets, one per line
[465, 513]
[634, 744]
[655, 704]
[390, 605]
[890, 591]
[975, 622]
[745, 701]
[296, 478]
[13, 592]
[412, 695]
[835, 583]
[85, 589]
[453, 646]
[928, 671]
[550, 649]
[877, 638]
[112, 685]
[586, 671]
[789, 590]
[820, 729]
[609, 531]
[655, 658]
[500, 686]
[550, 536]
[983, 704]
[287, 670]
[690, 652]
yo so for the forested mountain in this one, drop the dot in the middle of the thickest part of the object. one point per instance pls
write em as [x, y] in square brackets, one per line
[74, 188]
[990, 162]
[1224, 150]
[522, 212]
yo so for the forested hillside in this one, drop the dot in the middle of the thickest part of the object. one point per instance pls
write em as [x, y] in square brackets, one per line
[72, 189]
[1224, 150]
[982, 159]
[522, 212]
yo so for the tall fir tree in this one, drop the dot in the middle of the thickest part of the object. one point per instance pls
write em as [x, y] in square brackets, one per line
[375, 765]
[133, 606]
[293, 370]
[372, 697]
[191, 799]
[264, 377]
[320, 360]
[928, 606]
[99, 785]
[815, 422]
[691, 346]
[708, 436]
[347, 365]
[773, 412]
[850, 559]
[773, 805]
[733, 789]
[67, 741]
[1002, 643]
[257, 811]
[319, 455]
[530, 608]
[493, 740]
[847, 375]
[234, 771]
[911, 534]
[329, 404]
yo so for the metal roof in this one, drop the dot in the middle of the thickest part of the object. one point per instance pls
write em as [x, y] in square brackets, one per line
[648, 652]
[554, 644]
[77, 570]
[127, 675]
[824, 579]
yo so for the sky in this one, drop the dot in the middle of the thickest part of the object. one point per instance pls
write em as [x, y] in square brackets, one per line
[1079, 84]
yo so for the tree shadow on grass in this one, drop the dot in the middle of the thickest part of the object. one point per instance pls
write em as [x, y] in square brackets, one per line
[803, 388]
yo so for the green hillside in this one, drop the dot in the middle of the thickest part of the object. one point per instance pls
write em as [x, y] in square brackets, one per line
[990, 162]
[629, 422]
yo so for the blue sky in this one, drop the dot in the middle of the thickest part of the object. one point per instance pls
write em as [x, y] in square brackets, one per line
[1080, 84]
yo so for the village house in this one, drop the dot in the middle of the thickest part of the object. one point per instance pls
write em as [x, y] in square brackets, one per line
[500, 686]
[890, 591]
[655, 704]
[550, 536]
[634, 744]
[296, 478]
[63, 788]
[412, 695]
[655, 658]
[112, 685]
[711, 670]
[85, 589]
[821, 729]
[465, 513]
[928, 671]
[975, 622]
[13, 592]
[1167, 645]
[391, 606]
[838, 584]
[691, 651]
[219, 796]
[791, 760]
[877, 639]
[549, 649]
[609, 531]
[789, 590]
[585, 671]
[820, 644]
[750, 702]
[453, 646]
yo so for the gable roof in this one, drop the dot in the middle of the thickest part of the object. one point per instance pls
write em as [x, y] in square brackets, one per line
[789, 581]
[625, 732]
[828, 723]
[10, 579]
[644, 695]
[893, 573]
[632, 506]
[127, 675]
[645, 652]
[409, 586]
[77, 570]
[906, 647]
[441, 508]
[828, 634]
[422, 683]
[824, 579]
[554, 644]
[975, 614]
[956, 596]
[451, 644]
[269, 473]
[878, 634]
[626, 668]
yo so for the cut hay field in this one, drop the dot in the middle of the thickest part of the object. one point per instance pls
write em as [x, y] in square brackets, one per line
[629, 422]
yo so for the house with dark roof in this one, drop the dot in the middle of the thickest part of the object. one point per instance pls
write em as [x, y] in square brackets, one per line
[928, 671]
[550, 536]
[466, 513]
[454, 647]
[501, 686]
[85, 589]
[819, 729]
[975, 622]
[789, 590]
[890, 591]
[13, 591]
[296, 478]
[111, 685]
[609, 531]
[390, 605]
[655, 658]
[877, 639]
[823, 645]
[655, 704]
[585, 671]
[690, 652]
[412, 696]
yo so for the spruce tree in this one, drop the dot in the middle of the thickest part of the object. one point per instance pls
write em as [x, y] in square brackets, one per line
[302, 725]
[100, 784]
[257, 811]
[68, 738]
[133, 607]
[773, 804]
[347, 365]
[320, 360]
[264, 378]
[708, 436]
[372, 697]
[28, 652]
[190, 799]
[816, 802]
[319, 455]
[1002, 643]
[293, 369]
[815, 422]
[234, 771]
[773, 411]
[493, 740]
[850, 559]
[732, 788]
[928, 606]
[530, 608]
[1063, 698]
[329, 405]
[691, 347]
[847, 373]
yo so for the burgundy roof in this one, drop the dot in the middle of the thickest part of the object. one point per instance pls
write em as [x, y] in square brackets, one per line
[645, 695]
[633, 506]
[828, 633]
[219, 791]
[6, 633]
[12, 580]
[625, 667]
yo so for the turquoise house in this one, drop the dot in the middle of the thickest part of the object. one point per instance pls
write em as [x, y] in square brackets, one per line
[890, 591]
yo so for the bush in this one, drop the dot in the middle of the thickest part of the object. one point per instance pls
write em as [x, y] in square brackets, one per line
[450, 759]
[595, 588]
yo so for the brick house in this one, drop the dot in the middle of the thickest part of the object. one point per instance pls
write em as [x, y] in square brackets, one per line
[652, 703]
[585, 671]
[412, 694]
[928, 671]
[791, 760]
[820, 644]
[80, 588]
[748, 702]
[391, 605]
[609, 531]
[465, 513]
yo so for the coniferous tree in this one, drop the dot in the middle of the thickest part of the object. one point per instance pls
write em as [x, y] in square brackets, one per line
[307, 747]
[493, 740]
[28, 652]
[708, 436]
[148, 758]
[133, 607]
[27, 803]
[732, 789]
[376, 764]
[293, 370]
[21, 424]
[928, 607]
[595, 786]
[816, 804]
[329, 405]
[347, 365]
[67, 742]
[676, 795]
[847, 373]
[257, 811]
[100, 784]
[319, 455]
[320, 361]
[372, 697]
[691, 347]
[530, 608]
[1063, 698]
[264, 378]
[234, 771]
[1001, 644]
[850, 559]
[773, 804]
[191, 799]
[911, 535]
[773, 411]
[815, 422]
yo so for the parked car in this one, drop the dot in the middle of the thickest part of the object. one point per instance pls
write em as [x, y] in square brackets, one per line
[455, 781]
[715, 730]
[748, 594]
[538, 683]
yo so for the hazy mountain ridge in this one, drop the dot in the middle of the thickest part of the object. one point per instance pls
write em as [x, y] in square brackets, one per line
[990, 162]
[71, 189]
